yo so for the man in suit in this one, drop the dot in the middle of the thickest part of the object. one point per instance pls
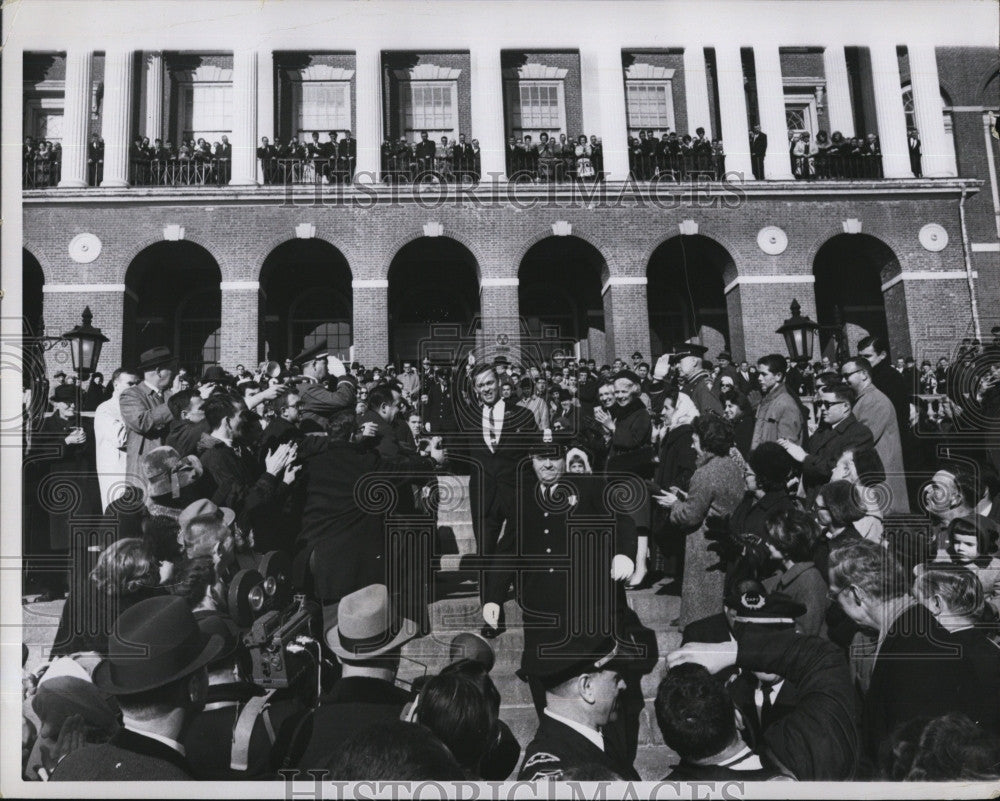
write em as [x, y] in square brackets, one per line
[144, 410]
[156, 668]
[913, 142]
[267, 153]
[343, 538]
[426, 150]
[347, 156]
[839, 430]
[582, 678]
[497, 455]
[917, 672]
[793, 696]
[383, 406]
[758, 149]
[317, 402]
[366, 640]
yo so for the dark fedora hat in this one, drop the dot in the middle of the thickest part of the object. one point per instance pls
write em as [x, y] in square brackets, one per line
[155, 357]
[64, 393]
[155, 642]
[214, 373]
[368, 626]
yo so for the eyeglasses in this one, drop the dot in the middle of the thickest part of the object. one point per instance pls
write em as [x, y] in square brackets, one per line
[853, 372]
[828, 404]
[833, 596]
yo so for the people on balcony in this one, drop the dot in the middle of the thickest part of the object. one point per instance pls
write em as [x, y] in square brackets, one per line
[835, 157]
[674, 157]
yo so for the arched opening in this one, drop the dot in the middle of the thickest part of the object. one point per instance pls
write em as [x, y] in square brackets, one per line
[433, 282]
[559, 295]
[307, 290]
[686, 293]
[173, 298]
[850, 270]
[32, 283]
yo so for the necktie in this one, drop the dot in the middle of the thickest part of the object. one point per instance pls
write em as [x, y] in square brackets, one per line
[766, 688]
[492, 432]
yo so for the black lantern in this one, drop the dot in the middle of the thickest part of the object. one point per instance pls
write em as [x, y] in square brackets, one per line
[799, 333]
[85, 343]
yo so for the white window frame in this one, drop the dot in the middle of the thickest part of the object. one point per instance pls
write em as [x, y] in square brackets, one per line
[668, 88]
[304, 132]
[37, 107]
[514, 107]
[406, 88]
[186, 100]
[807, 102]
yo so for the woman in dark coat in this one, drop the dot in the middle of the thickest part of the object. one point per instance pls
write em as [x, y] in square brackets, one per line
[716, 489]
[772, 467]
[631, 452]
[677, 463]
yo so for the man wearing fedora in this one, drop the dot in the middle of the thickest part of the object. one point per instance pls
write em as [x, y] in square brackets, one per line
[145, 411]
[367, 641]
[156, 669]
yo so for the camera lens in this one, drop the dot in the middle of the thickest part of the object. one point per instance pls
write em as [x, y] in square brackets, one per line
[256, 598]
[270, 585]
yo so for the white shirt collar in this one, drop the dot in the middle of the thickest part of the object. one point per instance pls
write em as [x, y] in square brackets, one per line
[178, 747]
[157, 391]
[744, 760]
[591, 734]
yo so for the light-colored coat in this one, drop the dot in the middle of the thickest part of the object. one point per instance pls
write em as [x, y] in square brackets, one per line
[147, 420]
[110, 449]
[778, 417]
[874, 409]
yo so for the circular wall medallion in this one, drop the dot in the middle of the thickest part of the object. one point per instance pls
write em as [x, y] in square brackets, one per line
[933, 237]
[84, 248]
[772, 240]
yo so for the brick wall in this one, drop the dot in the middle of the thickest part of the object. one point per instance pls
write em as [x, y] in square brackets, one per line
[392, 101]
[570, 61]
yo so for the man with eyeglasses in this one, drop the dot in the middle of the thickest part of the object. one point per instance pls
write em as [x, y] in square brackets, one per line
[874, 410]
[111, 438]
[839, 430]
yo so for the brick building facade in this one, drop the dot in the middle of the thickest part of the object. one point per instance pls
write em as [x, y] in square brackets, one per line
[240, 272]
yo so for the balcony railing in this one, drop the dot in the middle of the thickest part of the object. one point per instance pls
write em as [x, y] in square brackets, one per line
[838, 167]
[41, 174]
[307, 170]
[677, 167]
[180, 172]
[406, 168]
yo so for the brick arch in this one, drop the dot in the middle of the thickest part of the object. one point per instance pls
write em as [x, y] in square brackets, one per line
[278, 241]
[392, 251]
[886, 238]
[992, 74]
[727, 275]
[47, 269]
[610, 264]
[136, 250]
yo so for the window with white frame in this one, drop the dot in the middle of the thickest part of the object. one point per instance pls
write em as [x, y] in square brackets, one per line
[322, 106]
[208, 111]
[430, 106]
[536, 107]
[649, 107]
[911, 117]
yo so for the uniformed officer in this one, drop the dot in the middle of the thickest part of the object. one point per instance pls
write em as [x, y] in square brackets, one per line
[317, 402]
[582, 680]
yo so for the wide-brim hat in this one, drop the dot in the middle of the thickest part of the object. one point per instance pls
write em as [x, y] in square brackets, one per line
[64, 393]
[155, 357]
[215, 373]
[202, 507]
[154, 643]
[368, 626]
[166, 472]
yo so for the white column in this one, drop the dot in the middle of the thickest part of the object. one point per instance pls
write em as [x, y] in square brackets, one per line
[487, 111]
[889, 111]
[590, 100]
[839, 111]
[265, 100]
[733, 111]
[614, 122]
[76, 117]
[368, 63]
[771, 103]
[696, 90]
[937, 158]
[154, 96]
[244, 139]
[117, 117]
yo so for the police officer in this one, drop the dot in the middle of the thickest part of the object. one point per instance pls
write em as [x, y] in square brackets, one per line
[317, 402]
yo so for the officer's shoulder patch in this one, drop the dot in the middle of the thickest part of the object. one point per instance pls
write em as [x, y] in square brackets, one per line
[542, 775]
[539, 758]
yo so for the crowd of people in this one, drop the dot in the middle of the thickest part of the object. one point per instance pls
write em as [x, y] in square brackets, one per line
[192, 162]
[554, 159]
[292, 161]
[836, 156]
[839, 581]
[427, 161]
[675, 157]
[41, 161]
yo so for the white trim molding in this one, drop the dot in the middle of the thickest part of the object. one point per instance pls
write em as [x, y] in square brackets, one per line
[239, 285]
[428, 72]
[768, 279]
[47, 288]
[986, 247]
[929, 275]
[500, 282]
[624, 280]
[370, 283]
[535, 72]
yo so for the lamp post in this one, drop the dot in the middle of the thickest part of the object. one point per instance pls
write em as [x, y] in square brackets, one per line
[85, 344]
[799, 333]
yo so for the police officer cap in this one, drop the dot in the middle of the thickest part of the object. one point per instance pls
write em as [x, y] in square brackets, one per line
[317, 351]
[753, 604]
[558, 664]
